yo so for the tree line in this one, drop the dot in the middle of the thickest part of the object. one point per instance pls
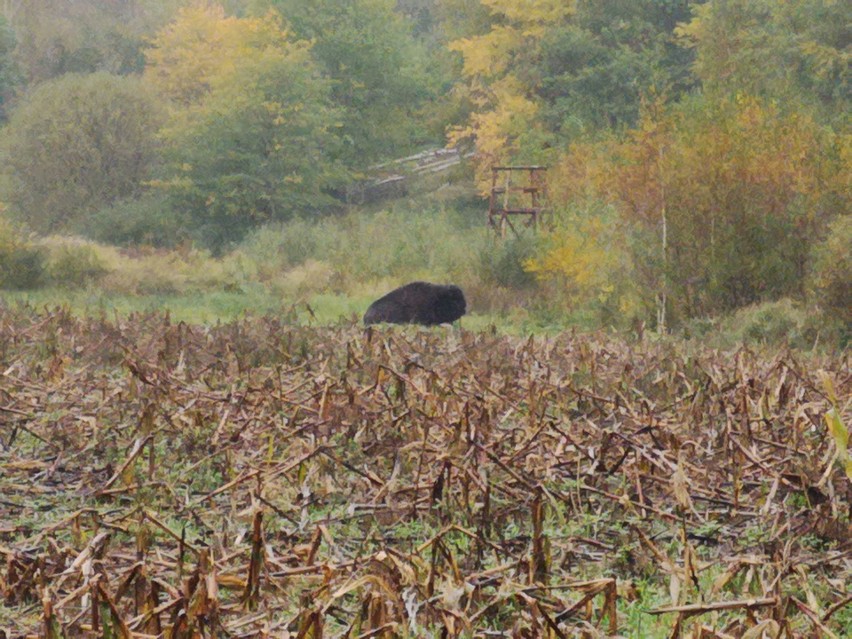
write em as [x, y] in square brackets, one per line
[146, 118]
[698, 150]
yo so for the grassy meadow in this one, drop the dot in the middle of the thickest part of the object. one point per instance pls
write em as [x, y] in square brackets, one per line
[322, 272]
[327, 271]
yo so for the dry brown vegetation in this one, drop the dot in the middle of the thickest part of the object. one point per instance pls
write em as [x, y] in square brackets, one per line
[260, 479]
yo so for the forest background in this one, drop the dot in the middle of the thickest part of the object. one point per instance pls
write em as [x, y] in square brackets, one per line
[198, 156]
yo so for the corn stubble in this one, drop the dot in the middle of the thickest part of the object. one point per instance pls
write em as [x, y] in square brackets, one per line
[256, 479]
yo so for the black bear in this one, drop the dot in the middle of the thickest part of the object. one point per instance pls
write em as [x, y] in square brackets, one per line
[418, 303]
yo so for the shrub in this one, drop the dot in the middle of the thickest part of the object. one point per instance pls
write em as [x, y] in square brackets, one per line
[76, 144]
[584, 263]
[311, 276]
[150, 219]
[75, 265]
[74, 262]
[743, 184]
[772, 323]
[21, 262]
[831, 274]
[502, 262]
[159, 272]
[276, 247]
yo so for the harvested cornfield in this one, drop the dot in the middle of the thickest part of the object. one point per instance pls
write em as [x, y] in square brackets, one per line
[259, 479]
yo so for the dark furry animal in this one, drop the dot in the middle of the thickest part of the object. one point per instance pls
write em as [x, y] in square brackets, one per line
[418, 303]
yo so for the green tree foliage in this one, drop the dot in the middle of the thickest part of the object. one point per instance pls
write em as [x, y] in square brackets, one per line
[76, 144]
[699, 149]
[377, 69]
[593, 71]
[9, 73]
[786, 50]
[58, 37]
[253, 134]
[547, 72]
[148, 219]
[458, 19]
[436, 23]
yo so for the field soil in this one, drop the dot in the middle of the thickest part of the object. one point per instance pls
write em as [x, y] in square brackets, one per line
[260, 479]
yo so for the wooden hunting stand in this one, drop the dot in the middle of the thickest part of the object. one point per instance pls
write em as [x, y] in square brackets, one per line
[507, 200]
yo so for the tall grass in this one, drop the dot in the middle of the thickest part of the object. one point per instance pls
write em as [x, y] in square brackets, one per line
[329, 269]
[73, 263]
[363, 254]
[326, 268]
[361, 250]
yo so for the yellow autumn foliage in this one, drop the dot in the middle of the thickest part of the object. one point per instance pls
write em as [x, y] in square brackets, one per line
[531, 12]
[580, 256]
[740, 186]
[585, 263]
[489, 54]
[506, 111]
[202, 44]
[499, 129]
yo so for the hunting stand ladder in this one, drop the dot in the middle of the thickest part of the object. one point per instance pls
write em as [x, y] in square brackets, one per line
[507, 200]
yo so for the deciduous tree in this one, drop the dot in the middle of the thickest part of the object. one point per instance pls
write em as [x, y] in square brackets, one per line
[57, 36]
[9, 73]
[795, 51]
[546, 73]
[252, 135]
[378, 71]
[76, 144]
[719, 202]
